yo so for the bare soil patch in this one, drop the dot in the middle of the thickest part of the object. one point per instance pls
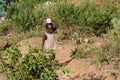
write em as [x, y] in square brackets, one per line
[80, 68]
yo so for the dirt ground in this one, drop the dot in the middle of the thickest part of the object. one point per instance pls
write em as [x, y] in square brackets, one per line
[80, 68]
[84, 68]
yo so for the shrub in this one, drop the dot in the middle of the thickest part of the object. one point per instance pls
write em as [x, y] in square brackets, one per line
[78, 18]
[76, 38]
[25, 15]
[115, 31]
[5, 27]
[80, 53]
[65, 13]
[2, 10]
[109, 51]
[2, 4]
[33, 66]
[102, 57]
[96, 18]
[2, 28]
[90, 16]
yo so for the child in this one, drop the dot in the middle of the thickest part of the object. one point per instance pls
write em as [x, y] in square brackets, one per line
[49, 41]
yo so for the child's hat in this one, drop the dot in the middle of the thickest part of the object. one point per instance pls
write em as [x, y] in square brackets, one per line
[48, 20]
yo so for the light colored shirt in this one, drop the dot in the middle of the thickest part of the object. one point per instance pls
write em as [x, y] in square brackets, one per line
[50, 43]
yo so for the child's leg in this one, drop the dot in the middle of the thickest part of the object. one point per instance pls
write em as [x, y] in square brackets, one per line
[48, 57]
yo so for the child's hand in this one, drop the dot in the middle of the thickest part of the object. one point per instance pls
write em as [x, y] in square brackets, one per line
[52, 19]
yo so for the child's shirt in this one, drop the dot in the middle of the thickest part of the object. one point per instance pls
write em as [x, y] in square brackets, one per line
[50, 42]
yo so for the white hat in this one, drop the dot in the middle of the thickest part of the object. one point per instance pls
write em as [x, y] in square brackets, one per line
[48, 20]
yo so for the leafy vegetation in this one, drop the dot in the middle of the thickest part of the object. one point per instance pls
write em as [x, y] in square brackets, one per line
[2, 4]
[65, 70]
[77, 39]
[27, 17]
[33, 66]
[66, 13]
[24, 15]
[115, 31]
[94, 18]
[111, 50]
[88, 16]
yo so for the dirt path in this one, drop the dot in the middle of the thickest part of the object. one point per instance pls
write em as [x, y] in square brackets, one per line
[2, 77]
[80, 69]
[84, 69]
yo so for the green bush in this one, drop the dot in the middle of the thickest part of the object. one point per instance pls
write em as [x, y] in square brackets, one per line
[88, 15]
[76, 38]
[34, 66]
[84, 17]
[102, 57]
[114, 33]
[80, 53]
[96, 18]
[5, 27]
[110, 51]
[66, 13]
[25, 15]
[2, 4]
[2, 27]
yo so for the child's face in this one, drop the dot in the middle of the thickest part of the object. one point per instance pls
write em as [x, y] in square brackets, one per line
[49, 29]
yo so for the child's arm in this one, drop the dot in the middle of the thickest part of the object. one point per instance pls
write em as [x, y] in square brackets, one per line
[55, 25]
[43, 40]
